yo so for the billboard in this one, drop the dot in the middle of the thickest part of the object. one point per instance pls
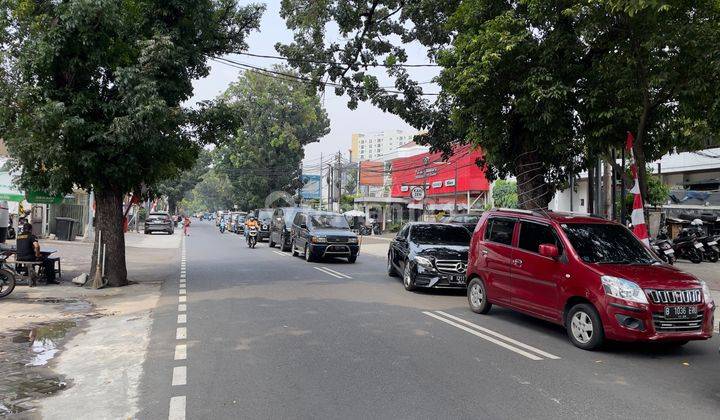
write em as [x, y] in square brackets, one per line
[312, 185]
[372, 173]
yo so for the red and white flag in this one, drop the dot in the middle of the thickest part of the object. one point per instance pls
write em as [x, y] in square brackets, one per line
[637, 216]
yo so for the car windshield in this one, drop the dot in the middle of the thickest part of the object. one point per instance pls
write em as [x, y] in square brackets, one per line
[329, 221]
[155, 217]
[264, 214]
[440, 235]
[607, 244]
[289, 216]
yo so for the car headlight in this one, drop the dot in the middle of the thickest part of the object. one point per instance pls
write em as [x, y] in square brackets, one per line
[319, 240]
[623, 289]
[424, 262]
[352, 240]
[707, 296]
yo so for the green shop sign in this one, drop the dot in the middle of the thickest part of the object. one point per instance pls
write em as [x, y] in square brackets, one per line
[41, 197]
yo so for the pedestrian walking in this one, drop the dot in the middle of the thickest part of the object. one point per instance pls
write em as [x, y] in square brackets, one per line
[186, 226]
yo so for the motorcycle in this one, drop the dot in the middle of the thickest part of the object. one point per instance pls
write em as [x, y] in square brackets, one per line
[687, 247]
[251, 234]
[664, 249]
[712, 252]
[7, 277]
[221, 226]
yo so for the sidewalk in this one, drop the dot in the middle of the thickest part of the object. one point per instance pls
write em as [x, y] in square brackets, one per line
[89, 344]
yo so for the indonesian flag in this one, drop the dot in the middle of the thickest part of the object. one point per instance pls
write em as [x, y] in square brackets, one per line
[637, 216]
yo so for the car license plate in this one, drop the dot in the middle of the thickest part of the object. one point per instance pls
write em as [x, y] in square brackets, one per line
[712, 243]
[669, 252]
[680, 312]
[698, 245]
[460, 279]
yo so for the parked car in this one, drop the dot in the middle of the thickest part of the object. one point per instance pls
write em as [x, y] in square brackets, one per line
[319, 234]
[280, 225]
[588, 274]
[467, 220]
[264, 218]
[159, 222]
[430, 255]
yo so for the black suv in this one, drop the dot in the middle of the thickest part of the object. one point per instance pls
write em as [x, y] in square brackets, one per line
[264, 217]
[280, 225]
[319, 234]
[430, 255]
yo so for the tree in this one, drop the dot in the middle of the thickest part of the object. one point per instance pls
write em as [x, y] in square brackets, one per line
[280, 117]
[215, 191]
[92, 93]
[176, 188]
[653, 68]
[544, 87]
[504, 194]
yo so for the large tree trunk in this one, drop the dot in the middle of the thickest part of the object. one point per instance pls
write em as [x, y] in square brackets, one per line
[533, 192]
[109, 221]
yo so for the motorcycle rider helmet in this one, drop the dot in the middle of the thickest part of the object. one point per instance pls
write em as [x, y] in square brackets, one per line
[696, 222]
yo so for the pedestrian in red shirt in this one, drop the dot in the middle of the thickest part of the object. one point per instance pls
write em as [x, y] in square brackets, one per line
[186, 226]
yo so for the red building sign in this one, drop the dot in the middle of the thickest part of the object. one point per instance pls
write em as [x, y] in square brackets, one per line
[459, 174]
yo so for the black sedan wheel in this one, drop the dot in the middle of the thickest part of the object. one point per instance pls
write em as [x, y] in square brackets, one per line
[408, 280]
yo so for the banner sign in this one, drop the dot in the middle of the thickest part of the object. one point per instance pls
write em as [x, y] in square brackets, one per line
[311, 187]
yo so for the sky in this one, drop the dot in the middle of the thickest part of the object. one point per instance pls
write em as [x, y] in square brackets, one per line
[343, 121]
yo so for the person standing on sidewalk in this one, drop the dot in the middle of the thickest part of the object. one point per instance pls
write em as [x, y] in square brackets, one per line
[186, 226]
[4, 220]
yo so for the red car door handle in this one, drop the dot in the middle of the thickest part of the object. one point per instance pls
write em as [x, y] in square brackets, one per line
[518, 262]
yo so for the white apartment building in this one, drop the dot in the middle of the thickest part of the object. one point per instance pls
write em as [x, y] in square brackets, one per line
[379, 145]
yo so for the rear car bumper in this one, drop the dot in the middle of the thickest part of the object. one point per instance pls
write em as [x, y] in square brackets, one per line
[334, 250]
[648, 323]
[158, 228]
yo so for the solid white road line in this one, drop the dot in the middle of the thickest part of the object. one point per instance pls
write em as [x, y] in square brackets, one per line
[179, 375]
[182, 308]
[336, 272]
[284, 254]
[498, 335]
[485, 337]
[327, 272]
[182, 319]
[182, 299]
[177, 408]
[181, 352]
[181, 333]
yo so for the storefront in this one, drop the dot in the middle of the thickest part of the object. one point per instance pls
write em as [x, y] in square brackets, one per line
[432, 185]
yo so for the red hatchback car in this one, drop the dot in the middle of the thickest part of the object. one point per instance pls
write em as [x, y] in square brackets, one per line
[588, 274]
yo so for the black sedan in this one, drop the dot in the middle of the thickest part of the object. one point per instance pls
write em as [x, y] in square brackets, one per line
[467, 220]
[430, 255]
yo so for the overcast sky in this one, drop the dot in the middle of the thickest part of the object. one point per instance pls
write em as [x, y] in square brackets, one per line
[343, 121]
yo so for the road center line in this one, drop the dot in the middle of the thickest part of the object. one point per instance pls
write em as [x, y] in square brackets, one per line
[485, 337]
[179, 376]
[181, 333]
[327, 272]
[498, 335]
[177, 408]
[181, 352]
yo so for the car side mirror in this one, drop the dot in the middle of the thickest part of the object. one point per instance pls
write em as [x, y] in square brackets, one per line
[549, 250]
[303, 226]
[400, 239]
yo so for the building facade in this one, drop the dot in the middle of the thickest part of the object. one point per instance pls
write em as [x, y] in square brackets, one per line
[376, 145]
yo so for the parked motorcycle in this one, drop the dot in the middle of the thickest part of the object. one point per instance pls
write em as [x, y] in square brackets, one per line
[687, 247]
[711, 252]
[251, 235]
[664, 249]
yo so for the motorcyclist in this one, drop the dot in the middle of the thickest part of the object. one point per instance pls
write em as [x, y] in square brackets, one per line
[250, 223]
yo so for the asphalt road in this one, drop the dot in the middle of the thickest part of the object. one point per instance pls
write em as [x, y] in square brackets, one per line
[266, 335]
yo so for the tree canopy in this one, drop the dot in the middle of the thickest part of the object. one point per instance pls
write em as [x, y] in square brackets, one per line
[92, 93]
[265, 151]
[543, 87]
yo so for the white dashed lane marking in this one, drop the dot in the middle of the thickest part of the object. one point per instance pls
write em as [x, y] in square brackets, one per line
[181, 352]
[177, 408]
[182, 308]
[182, 318]
[182, 299]
[181, 333]
[179, 376]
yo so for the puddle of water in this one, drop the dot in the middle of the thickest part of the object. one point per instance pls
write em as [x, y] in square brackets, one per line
[22, 378]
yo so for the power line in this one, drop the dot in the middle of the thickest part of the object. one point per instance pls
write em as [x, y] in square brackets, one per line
[271, 73]
[335, 63]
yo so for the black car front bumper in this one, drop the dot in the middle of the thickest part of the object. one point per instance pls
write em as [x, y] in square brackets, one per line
[439, 280]
[333, 250]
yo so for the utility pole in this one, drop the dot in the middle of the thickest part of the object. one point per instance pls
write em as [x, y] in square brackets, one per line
[426, 161]
[455, 209]
[338, 181]
[321, 184]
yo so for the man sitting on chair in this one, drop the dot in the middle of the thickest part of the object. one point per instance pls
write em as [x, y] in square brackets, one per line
[28, 249]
